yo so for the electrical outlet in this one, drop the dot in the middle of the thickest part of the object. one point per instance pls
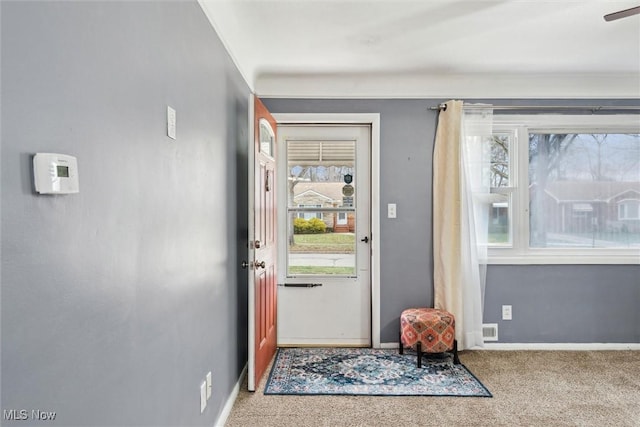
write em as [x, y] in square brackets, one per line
[209, 381]
[203, 396]
[507, 313]
[391, 210]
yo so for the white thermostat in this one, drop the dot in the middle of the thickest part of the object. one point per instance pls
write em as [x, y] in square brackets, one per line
[55, 173]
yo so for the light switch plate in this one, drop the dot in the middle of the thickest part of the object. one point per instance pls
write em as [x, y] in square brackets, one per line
[171, 122]
[203, 396]
[209, 381]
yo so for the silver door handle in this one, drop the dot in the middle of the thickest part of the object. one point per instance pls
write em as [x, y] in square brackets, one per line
[260, 264]
[244, 264]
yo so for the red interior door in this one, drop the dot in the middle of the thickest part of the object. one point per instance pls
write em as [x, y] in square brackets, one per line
[264, 242]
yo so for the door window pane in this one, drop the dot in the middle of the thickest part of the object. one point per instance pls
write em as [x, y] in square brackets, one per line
[267, 138]
[321, 218]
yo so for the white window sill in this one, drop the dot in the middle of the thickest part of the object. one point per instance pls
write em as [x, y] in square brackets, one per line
[631, 258]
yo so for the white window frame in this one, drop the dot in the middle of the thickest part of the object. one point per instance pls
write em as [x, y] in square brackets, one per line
[520, 252]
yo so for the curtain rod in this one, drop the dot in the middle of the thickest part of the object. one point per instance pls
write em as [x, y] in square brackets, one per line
[592, 108]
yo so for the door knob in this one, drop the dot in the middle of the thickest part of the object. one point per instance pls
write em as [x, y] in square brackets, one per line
[365, 239]
[260, 264]
[244, 264]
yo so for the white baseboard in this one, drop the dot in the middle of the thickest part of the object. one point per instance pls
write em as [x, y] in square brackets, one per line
[561, 346]
[545, 346]
[222, 419]
[384, 345]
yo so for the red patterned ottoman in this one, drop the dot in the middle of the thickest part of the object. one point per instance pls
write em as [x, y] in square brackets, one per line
[430, 330]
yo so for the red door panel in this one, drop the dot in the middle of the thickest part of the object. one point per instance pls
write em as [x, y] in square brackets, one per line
[265, 243]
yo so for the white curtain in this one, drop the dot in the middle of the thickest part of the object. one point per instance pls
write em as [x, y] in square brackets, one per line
[461, 206]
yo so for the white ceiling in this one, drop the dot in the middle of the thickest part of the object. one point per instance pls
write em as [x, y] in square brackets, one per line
[431, 48]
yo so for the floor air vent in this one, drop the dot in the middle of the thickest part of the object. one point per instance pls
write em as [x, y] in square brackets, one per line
[490, 331]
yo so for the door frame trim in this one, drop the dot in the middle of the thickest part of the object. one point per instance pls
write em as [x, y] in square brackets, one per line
[372, 119]
[251, 294]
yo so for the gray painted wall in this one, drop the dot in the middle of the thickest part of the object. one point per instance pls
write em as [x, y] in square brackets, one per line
[118, 300]
[551, 304]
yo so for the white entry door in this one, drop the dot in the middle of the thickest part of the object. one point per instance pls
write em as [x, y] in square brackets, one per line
[324, 292]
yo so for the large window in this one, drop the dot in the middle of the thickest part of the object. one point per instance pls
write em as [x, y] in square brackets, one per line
[565, 189]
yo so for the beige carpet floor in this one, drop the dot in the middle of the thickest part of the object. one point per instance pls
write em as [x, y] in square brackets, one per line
[530, 388]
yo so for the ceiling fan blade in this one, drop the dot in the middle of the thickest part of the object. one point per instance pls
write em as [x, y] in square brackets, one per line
[622, 14]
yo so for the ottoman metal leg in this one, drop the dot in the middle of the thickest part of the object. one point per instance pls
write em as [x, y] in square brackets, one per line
[456, 361]
[419, 350]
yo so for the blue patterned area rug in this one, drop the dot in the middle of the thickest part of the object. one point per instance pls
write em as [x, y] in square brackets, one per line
[366, 371]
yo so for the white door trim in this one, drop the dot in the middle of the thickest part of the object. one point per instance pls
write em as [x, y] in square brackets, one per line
[251, 295]
[372, 119]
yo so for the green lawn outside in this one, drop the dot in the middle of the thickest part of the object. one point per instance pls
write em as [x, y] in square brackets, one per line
[318, 270]
[343, 243]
